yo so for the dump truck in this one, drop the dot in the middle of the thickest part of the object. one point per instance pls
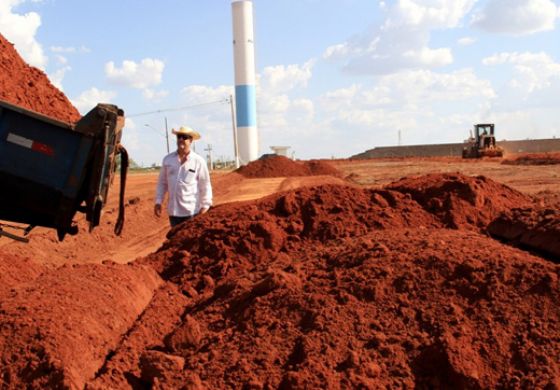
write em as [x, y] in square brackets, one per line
[482, 143]
[51, 170]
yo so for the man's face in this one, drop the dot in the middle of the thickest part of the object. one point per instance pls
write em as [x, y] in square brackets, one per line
[184, 143]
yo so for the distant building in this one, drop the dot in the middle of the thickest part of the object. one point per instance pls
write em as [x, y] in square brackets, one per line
[280, 150]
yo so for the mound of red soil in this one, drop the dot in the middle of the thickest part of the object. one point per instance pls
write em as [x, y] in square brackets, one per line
[340, 287]
[29, 87]
[16, 269]
[537, 229]
[534, 159]
[389, 309]
[319, 167]
[57, 330]
[280, 166]
[321, 287]
[461, 201]
[238, 235]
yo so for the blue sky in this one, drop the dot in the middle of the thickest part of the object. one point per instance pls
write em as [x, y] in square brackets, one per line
[335, 77]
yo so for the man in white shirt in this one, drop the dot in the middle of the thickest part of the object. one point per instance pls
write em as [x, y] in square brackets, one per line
[184, 175]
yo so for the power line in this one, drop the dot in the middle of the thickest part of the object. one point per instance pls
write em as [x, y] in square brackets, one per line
[224, 100]
[152, 128]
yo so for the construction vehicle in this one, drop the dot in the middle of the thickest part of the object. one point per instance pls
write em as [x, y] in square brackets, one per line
[482, 143]
[50, 170]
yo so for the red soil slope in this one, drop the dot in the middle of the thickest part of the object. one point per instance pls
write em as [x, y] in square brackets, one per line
[340, 287]
[280, 166]
[29, 87]
[533, 228]
[461, 201]
[57, 330]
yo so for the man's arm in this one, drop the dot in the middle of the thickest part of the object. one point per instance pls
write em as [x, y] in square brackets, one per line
[161, 189]
[204, 189]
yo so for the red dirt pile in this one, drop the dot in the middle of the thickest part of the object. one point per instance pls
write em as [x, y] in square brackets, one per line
[320, 287]
[280, 166]
[57, 330]
[537, 229]
[461, 201]
[29, 87]
[16, 269]
[388, 309]
[339, 287]
[534, 159]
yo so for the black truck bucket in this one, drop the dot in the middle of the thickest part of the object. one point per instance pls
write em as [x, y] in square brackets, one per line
[50, 170]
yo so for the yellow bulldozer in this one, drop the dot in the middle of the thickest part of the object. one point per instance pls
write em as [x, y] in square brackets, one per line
[482, 143]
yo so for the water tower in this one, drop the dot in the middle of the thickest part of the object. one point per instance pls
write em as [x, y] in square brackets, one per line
[245, 89]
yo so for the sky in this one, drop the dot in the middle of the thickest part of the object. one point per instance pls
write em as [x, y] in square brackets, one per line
[334, 77]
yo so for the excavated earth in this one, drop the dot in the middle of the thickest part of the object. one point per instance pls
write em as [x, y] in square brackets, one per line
[280, 166]
[325, 286]
[30, 88]
[432, 281]
[551, 158]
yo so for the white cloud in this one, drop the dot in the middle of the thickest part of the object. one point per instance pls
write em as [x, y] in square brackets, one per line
[150, 94]
[517, 17]
[428, 14]
[282, 78]
[130, 136]
[69, 49]
[533, 83]
[533, 71]
[278, 112]
[402, 40]
[410, 90]
[57, 77]
[61, 60]
[207, 110]
[145, 74]
[466, 41]
[90, 98]
[20, 29]
[343, 94]
[338, 51]
[201, 94]
[424, 105]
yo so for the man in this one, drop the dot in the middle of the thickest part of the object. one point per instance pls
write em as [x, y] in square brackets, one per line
[184, 175]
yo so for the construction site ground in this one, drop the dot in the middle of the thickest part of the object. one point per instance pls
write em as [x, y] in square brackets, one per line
[144, 233]
[374, 276]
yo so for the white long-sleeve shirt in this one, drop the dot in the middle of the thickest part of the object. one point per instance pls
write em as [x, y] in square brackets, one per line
[188, 185]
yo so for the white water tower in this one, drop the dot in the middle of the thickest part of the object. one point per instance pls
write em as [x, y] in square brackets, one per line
[245, 81]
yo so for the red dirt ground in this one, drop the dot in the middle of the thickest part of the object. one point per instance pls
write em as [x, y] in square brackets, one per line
[323, 286]
[29, 87]
[534, 159]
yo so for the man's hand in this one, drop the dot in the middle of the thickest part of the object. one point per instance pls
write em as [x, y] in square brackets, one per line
[157, 210]
[203, 210]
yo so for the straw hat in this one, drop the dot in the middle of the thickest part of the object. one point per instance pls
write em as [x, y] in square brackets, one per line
[185, 130]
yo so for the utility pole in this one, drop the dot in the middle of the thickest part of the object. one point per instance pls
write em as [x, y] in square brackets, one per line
[209, 150]
[166, 135]
[234, 127]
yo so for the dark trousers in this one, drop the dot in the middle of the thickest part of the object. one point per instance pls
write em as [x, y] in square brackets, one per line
[174, 221]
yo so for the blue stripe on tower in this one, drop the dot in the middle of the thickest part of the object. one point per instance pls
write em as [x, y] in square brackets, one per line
[246, 105]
